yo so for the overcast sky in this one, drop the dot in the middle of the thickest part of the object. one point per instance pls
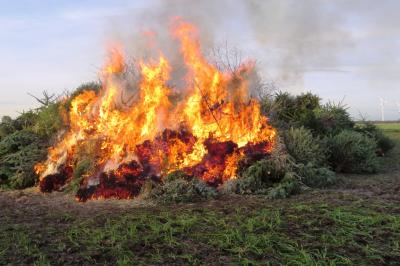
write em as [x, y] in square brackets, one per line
[339, 49]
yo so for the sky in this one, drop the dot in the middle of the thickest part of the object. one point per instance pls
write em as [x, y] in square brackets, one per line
[342, 50]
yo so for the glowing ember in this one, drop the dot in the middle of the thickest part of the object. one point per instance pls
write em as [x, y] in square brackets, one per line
[203, 129]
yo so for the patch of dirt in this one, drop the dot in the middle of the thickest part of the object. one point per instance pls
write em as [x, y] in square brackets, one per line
[23, 205]
[383, 186]
[31, 201]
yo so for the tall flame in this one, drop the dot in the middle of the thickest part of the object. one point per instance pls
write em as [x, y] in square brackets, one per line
[213, 124]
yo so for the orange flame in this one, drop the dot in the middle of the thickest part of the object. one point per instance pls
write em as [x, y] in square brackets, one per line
[215, 108]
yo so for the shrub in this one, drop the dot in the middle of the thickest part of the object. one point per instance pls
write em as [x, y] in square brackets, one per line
[183, 189]
[303, 146]
[269, 108]
[49, 120]
[82, 168]
[317, 177]
[89, 86]
[263, 174]
[287, 110]
[17, 141]
[229, 187]
[289, 185]
[331, 119]
[149, 190]
[19, 152]
[25, 121]
[176, 175]
[286, 107]
[89, 151]
[252, 180]
[352, 152]
[306, 103]
[84, 160]
[178, 190]
[258, 176]
[94, 86]
[383, 142]
[305, 110]
[6, 126]
[6, 120]
[204, 190]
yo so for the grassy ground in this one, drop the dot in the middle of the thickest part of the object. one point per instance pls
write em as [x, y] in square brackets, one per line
[356, 222]
[390, 127]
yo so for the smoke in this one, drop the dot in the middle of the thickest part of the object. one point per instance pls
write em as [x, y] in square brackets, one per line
[288, 38]
[298, 35]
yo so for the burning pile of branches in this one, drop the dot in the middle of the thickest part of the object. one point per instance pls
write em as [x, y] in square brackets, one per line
[203, 128]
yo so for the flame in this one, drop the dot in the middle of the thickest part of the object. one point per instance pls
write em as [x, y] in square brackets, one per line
[211, 127]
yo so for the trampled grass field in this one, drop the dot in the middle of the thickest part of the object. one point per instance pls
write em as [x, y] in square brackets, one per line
[355, 222]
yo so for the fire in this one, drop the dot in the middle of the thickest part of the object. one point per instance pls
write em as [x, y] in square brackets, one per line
[205, 131]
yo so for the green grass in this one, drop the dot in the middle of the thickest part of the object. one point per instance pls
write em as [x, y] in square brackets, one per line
[355, 223]
[300, 234]
[389, 126]
[390, 129]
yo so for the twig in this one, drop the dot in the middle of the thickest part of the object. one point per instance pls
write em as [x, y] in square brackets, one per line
[47, 98]
[208, 106]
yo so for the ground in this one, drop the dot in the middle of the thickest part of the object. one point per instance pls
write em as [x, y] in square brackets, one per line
[355, 222]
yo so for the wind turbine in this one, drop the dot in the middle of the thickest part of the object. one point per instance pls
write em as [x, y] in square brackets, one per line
[398, 106]
[383, 102]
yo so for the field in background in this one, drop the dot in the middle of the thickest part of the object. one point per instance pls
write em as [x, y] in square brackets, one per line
[356, 222]
[392, 127]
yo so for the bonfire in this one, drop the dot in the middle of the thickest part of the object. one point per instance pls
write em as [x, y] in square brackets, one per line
[144, 129]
